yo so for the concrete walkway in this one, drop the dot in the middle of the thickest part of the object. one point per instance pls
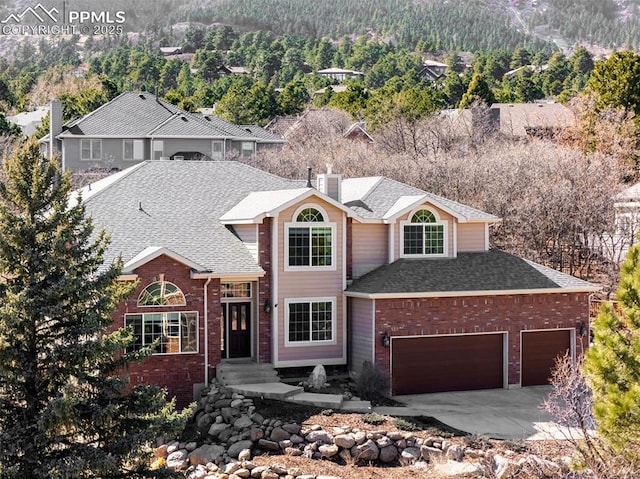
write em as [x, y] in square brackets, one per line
[514, 414]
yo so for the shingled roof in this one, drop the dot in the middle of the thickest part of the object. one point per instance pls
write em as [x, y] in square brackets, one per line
[494, 271]
[141, 115]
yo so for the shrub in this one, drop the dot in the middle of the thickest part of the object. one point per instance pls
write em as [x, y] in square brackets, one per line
[373, 418]
[371, 383]
[405, 425]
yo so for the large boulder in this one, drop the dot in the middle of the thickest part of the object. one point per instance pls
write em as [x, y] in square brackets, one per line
[236, 448]
[206, 454]
[318, 377]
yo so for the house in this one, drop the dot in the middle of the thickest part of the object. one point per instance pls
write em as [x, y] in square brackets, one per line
[314, 122]
[231, 262]
[170, 51]
[339, 74]
[432, 70]
[627, 224]
[139, 126]
[540, 119]
[29, 121]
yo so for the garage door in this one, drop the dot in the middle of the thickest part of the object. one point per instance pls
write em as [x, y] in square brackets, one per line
[539, 352]
[447, 363]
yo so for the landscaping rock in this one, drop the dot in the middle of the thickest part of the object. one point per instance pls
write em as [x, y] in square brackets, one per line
[344, 440]
[206, 454]
[318, 436]
[388, 454]
[177, 460]
[318, 377]
[279, 434]
[328, 450]
[235, 449]
[368, 451]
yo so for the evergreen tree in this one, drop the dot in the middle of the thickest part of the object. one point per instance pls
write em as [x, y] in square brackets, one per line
[478, 90]
[65, 408]
[616, 81]
[612, 363]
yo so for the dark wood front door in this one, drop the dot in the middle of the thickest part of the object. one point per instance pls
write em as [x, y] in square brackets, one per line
[237, 322]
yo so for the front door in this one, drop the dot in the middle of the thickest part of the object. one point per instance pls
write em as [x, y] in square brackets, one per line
[237, 322]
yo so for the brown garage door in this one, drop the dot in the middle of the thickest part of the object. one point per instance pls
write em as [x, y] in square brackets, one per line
[446, 363]
[539, 352]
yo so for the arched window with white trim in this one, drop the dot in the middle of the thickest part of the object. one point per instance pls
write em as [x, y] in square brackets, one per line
[310, 239]
[423, 235]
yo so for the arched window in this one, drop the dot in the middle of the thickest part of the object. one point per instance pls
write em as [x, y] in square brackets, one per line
[310, 215]
[423, 235]
[162, 293]
[310, 239]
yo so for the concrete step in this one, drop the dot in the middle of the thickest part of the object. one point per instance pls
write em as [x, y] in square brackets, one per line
[329, 401]
[230, 374]
[277, 390]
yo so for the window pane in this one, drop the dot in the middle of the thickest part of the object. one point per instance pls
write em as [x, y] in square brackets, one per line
[86, 149]
[162, 293]
[321, 329]
[138, 150]
[135, 321]
[152, 330]
[310, 215]
[128, 149]
[298, 246]
[433, 239]
[188, 327]
[299, 322]
[96, 149]
[321, 246]
[423, 216]
[413, 239]
[236, 290]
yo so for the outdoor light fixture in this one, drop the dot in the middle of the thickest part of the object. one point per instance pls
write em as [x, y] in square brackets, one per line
[267, 306]
[386, 340]
[583, 330]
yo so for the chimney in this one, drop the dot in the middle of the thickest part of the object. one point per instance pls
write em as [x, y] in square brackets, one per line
[55, 127]
[330, 183]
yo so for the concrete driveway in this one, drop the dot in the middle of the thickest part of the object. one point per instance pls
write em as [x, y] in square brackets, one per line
[497, 413]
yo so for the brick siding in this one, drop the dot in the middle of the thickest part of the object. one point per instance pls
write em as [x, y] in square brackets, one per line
[479, 314]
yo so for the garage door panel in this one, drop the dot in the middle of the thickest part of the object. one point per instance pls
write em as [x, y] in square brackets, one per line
[447, 363]
[540, 349]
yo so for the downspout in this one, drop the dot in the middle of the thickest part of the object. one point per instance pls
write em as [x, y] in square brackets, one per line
[206, 333]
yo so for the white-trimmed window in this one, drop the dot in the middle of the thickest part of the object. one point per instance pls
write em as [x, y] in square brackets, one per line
[158, 149]
[423, 235]
[217, 150]
[310, 240]
[90, 150]
[247, 149]
[172, 332]
[133, 150]
[310, 321]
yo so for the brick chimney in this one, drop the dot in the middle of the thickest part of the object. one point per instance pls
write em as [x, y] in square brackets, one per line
[330, 183]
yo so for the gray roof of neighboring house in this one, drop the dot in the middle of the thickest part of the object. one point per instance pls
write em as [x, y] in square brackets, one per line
[176, 205]
[494, 270]
[142, 114]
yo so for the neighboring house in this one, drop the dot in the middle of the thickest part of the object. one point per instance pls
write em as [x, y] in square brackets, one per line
[170, 51]
[340, 74]
[137, 126]
[333, 88]
[533, 119]
[627, 223]
[432, 70]
[314, 122]
[29, 121]
[231, 262]
[513, 120]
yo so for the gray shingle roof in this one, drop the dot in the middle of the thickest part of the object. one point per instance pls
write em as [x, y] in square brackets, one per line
[139, 115]
[494, 270]
[176, 205]
[384, 193]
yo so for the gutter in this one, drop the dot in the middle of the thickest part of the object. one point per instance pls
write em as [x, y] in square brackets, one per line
[458, 294]
[206, 332]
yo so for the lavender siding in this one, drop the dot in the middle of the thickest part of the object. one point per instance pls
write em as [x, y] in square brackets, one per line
[308, 285]
[370, 247]
[471, 237]
[360, 333]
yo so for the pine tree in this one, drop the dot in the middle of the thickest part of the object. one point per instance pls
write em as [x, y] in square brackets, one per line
[65, 409]
[612, 363]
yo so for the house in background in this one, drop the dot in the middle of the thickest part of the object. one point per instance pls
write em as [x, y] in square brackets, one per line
[138, 126]
[340, 74]
[233, 263]
[432, 70]
[29, 121]
[627, 224]
[539, 119]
